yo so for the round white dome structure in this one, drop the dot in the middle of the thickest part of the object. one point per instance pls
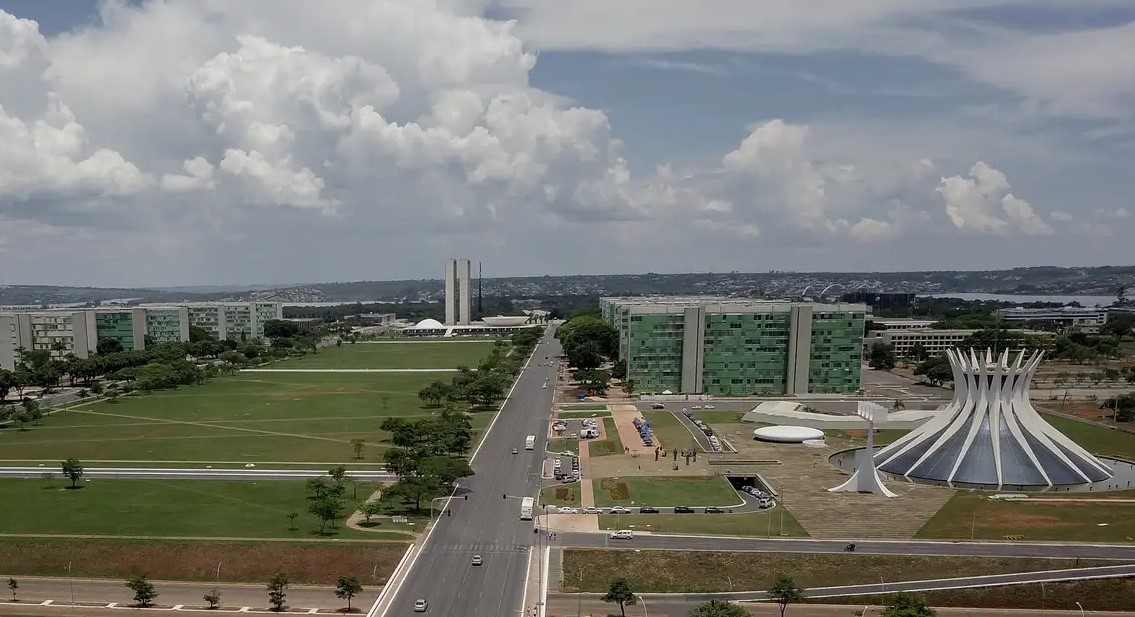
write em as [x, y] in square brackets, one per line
[990, 435]
[505, 321]
[429, 324]
[788, 434]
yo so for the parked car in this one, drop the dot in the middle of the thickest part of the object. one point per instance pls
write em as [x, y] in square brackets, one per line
[592, 510]
[765, 503]
[622, 534]
[714, 510]
[657, 406]
[620, 510]
[683, 510]
[567, 479]
[709, 407]
[648, 510]
[477, 560]
[567, 510]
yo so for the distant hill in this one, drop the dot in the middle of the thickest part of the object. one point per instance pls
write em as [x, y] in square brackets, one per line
[1041, 280]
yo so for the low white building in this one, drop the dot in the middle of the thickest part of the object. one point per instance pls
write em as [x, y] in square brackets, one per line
[1068, 318]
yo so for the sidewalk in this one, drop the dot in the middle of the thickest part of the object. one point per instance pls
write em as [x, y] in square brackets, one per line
[535, 589]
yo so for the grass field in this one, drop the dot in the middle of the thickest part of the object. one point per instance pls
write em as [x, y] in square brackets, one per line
[670, 430]
[249, 562]
[664, 491]
[571, 415]
[611, 445]
[769, 523]
[718, 416]
[409, 354]
[561, 495]
[1033, 519]
[702, 572]
[563, 445]
[1096, 439]
[204, 508]
[1110, 594]
[255, 417]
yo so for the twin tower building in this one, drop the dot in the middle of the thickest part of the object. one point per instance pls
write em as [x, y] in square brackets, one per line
[458, 292]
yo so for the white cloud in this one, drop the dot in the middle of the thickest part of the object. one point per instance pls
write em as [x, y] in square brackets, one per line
[1061, 216]
[1117, 213]
[984, 203]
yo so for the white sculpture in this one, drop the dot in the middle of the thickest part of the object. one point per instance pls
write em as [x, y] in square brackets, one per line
[990, 435]
[866, 477]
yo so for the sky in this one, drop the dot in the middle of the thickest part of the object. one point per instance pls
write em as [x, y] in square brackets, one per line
[200, 142]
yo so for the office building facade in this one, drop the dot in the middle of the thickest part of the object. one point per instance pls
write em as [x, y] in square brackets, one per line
[69, 331]
[1065, 318]
[729, 346]
[458, 292]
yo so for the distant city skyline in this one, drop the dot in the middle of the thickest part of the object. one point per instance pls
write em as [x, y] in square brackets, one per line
[268, 140]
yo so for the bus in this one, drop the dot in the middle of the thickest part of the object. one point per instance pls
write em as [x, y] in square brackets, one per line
[530, 442]
[526, 506]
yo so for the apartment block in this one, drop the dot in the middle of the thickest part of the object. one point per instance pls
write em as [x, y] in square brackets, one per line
[934, 341]
[167, 324]
[730, 346]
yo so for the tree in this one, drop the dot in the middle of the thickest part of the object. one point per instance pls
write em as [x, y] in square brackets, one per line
[785, 591]
[908, 605]
[369, 509]
[416, 489]
[882, 357]
[327, 508]
[13, 585]
[1111, 374]
[32, 410]
[433, 394]
[338, 475]
[1120, 325]
[7, 381]
[292, 516]
[718, 608]
[936, 370]
[277, 590]
[357, 445]
[213, 598]
[919, 353]
[278, 328]
[108, 346]
[347, 588]
[143, 590]
[620, 592]
[73, 470]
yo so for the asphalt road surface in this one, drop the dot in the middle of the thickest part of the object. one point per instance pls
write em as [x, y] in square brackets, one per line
[869, 547]
[189, 594]
[160, 473]
[487, 524]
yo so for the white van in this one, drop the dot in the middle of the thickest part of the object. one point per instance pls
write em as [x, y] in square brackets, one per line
[622, 534]
[530, 442]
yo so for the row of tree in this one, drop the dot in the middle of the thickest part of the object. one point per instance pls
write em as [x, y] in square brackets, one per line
[784, 592]
[145, 593]
[588, 341]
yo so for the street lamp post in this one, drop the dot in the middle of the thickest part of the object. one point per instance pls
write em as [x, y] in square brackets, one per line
[71, 582]
[1081, 607]
[644, 609]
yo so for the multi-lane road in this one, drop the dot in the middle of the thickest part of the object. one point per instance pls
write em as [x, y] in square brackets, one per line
[195, 473]
[486, 512]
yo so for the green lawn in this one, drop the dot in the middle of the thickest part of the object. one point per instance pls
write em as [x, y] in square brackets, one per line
[563, 445]
[585, 407]
[409, 354]
[665, 491]
[611, 445]
[254, 417]
[1095, 438]
[670, 430]
[769, 523]
[717, 416]
[197, 508]
[1087, 521]
[569, 415]
[561, 495]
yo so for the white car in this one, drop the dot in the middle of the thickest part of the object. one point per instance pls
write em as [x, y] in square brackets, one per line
[709, 407]
[697, 407]
[620, 510]
[567, 510]
[592, 510]
[420, 605]
[622, 534]
[545, 386]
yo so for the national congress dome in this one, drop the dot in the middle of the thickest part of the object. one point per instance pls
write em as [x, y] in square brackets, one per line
[990, 435]
[429, 324]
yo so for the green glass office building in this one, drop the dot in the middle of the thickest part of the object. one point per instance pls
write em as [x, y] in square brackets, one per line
[735, 347]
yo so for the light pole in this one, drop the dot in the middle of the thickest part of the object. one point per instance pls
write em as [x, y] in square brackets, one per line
[71, 582]
[644, 610]
[1081, 608]
[432, 506]
[579, 596]
[218, 571]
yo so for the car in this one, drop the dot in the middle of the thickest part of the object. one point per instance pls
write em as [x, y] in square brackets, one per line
[545, 386]
[514, 450]
[567, 510]
[620, 510]
[697, 406]
[567, 479]
[657, 406]
[477, 560]
[683, 510]
[648, 510]
[592, 510]
[420, 605]
[765, 504]
[713, 510]
[622, 534]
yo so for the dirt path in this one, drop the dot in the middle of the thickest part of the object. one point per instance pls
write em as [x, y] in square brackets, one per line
[354, 520]
[216, 426]
[586, 491]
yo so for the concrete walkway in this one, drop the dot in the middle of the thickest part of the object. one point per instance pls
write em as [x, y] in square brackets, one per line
[348, 370]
